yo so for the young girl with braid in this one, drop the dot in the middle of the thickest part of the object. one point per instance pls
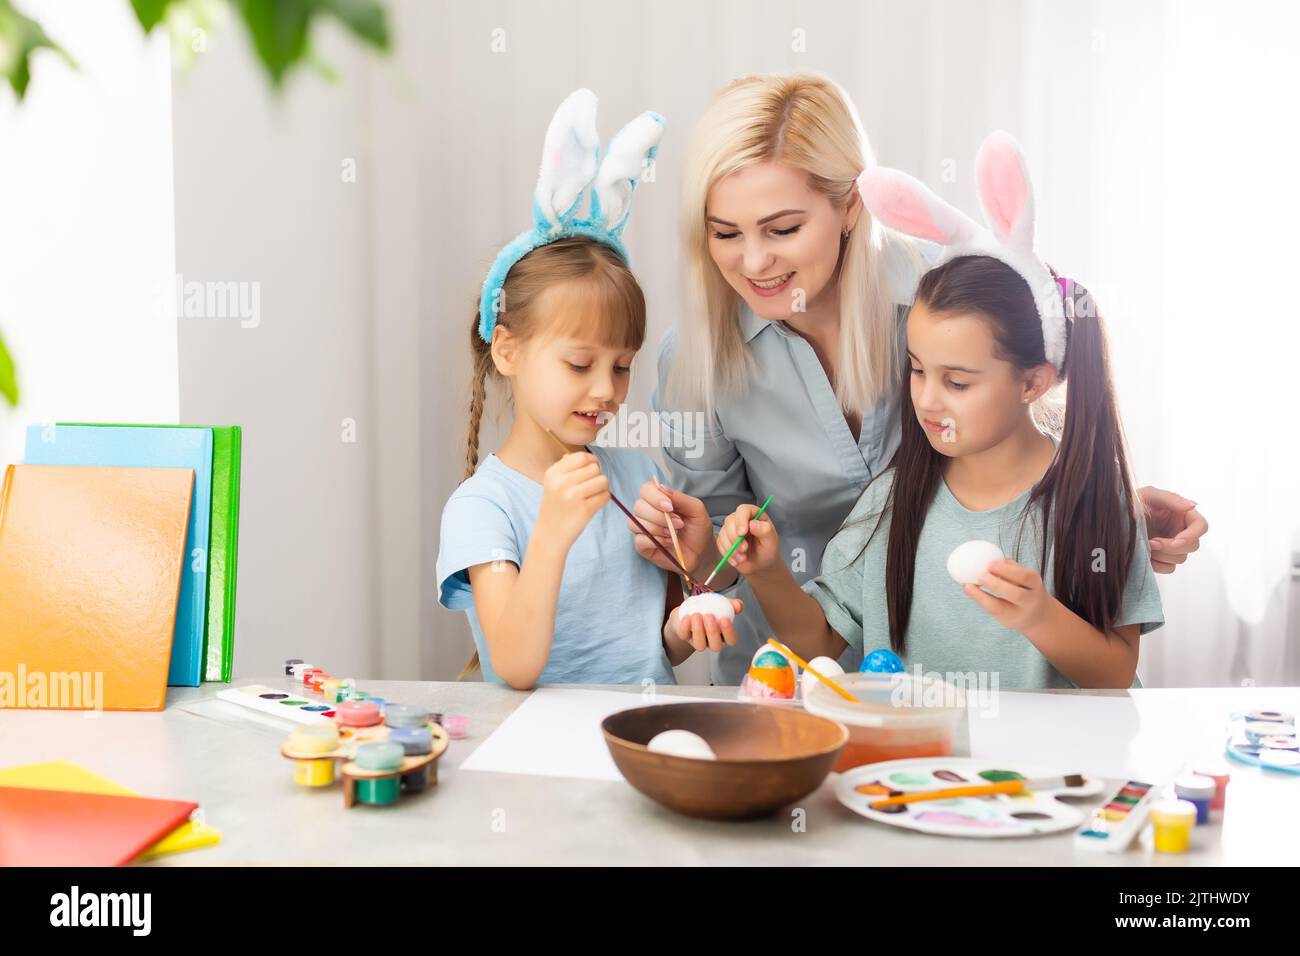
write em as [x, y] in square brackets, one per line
[531, 545]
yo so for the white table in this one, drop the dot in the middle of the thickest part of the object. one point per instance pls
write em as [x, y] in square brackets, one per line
[235, 771]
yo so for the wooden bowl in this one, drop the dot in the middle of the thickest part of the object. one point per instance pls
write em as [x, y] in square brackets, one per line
[768, 756]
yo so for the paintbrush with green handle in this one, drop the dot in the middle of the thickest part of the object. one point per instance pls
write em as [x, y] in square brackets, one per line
[736, 544]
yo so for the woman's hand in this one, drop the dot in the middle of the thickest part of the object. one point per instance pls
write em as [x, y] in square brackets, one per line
[761, 548]
[704, 632]
[655, 508]
[1019, 600]
[573, 490]
[1175, 527]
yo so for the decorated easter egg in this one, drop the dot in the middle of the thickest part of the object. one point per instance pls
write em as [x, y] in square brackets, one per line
[881, 661]
[707, 603]
[969, 561]
[681, 743]
[826, 666]
[771, 676]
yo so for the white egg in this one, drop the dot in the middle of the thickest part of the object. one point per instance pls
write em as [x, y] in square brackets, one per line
[708, 603]
[681, 743]
[826, 666]
[969, 561]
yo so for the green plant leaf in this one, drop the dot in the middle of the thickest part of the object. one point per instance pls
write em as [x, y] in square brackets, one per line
[20, 37]
[150, 13]
[280, 28]
[8, 376]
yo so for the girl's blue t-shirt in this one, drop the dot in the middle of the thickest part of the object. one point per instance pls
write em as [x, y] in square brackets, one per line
[610, 612]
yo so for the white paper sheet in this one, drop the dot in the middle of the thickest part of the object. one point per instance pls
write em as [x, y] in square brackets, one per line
[556, 733]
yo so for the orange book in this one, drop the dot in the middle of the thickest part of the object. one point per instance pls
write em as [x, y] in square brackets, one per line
[90, 569]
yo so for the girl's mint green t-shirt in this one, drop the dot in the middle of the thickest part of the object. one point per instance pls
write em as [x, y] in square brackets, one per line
[947, 632]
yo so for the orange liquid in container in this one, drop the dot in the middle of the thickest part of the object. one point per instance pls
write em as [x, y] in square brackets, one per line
[887, 723]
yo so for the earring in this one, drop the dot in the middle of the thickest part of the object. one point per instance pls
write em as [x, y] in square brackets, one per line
[844, 236]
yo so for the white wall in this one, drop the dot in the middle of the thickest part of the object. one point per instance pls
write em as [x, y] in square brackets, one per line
[86, 255]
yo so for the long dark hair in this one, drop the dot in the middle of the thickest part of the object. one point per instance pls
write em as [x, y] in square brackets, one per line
[1086, 496]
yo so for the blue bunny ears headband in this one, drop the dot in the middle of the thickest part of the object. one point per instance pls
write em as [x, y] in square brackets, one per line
[571, 166]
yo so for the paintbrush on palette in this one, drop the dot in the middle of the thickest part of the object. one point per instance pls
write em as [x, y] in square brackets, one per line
[631, 517]
[1067, 781]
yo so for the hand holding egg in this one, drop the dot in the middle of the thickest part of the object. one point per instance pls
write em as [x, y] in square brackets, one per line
[705, 621]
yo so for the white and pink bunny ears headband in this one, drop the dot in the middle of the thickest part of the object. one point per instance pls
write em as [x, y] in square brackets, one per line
[571, 167]
[1002, 180]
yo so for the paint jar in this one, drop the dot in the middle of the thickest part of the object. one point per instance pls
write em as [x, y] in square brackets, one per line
[1257, 731]
[378, 702]
[1198, 791]
[307, 673]
[1270, 717]
[896, 716]
[405, 715]
[357, 713]
[1219, 772]
[317, 679]
[330, 688]
[384, 756]
[289, 665]
[456, 726]
[297, 669]
[313, 739]
[415, 742]
[1173, 820]
[1278, 743]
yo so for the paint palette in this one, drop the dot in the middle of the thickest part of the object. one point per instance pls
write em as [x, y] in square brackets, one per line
[985, 817]
[297, 704]
[1264, 738]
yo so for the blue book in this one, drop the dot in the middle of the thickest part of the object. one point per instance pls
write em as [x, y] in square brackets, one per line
[143, 447]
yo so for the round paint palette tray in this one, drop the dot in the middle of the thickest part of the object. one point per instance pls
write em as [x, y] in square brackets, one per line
[987, 817]
[1273, 752]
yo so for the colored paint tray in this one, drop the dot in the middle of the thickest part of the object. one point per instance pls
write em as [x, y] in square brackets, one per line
[998, 815]
[296, 704]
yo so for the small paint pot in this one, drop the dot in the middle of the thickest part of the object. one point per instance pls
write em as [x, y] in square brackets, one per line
[354, 694]
[357, 713]
[380, 755]
[318, 738]
[289, 665]
[297, 669]
[1278, 743]
[415, 742]
[1270, 717]
[1255, 732]
[1221, 777]
[1173, 820]
[313, 773]
[379, 701]
[307, 673]
[330, 687]
[405, 715]
[457, 726]
[1198, 791]
[317, 679]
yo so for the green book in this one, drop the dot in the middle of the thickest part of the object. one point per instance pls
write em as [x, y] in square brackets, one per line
[223, 548]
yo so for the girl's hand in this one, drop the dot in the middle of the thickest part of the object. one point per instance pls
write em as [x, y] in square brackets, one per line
[1019, 600]
[704, 632]
[655, 508]
[761, 548]
[573, 490]
[1175, 527]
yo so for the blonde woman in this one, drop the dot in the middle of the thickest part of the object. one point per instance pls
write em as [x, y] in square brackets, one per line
[792, 347]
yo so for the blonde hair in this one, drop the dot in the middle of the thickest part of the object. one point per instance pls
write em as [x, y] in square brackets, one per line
[804, 121]
[602, 301]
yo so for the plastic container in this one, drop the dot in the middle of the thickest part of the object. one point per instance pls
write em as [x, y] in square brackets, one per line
[895, 718]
